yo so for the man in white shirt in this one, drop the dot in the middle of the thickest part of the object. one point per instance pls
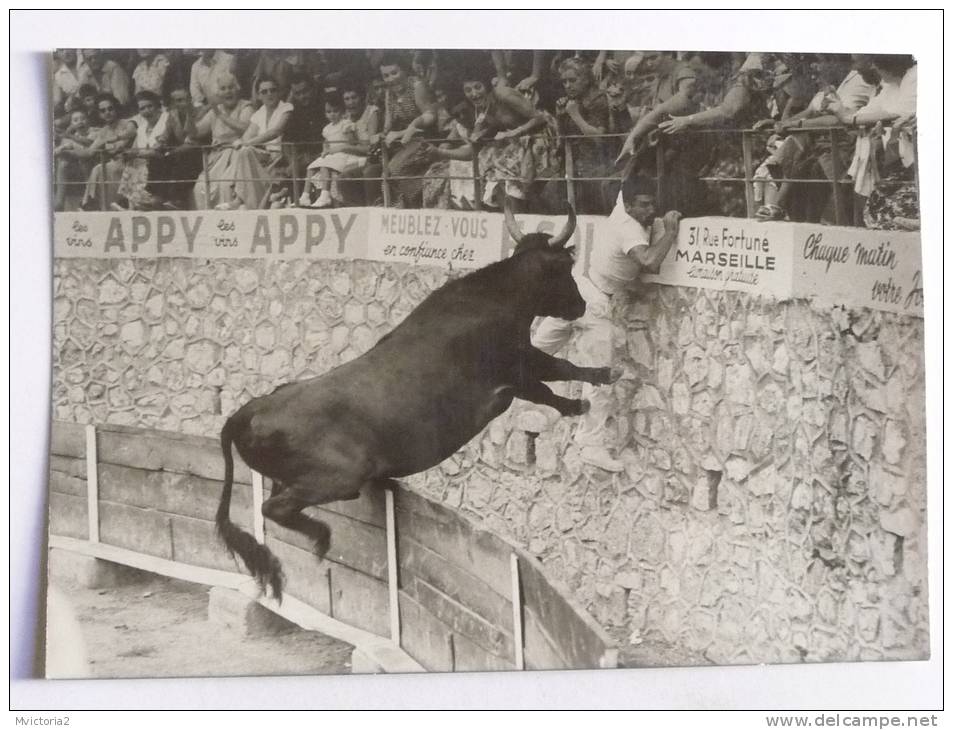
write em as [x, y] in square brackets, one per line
[629, 245]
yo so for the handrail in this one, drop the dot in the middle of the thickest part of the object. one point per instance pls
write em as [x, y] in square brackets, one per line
[569, 176]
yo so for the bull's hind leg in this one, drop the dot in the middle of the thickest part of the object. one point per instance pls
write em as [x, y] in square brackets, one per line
[285, 508]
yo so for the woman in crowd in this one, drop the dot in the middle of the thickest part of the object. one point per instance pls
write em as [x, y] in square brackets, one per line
[249, 164]
[151, 135]
[225, 122]
[583, 115]
[111, 140]
[408, 111]
[149, 74]
[272, 64]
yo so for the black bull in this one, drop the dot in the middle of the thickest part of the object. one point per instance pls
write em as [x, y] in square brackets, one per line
[423, 391]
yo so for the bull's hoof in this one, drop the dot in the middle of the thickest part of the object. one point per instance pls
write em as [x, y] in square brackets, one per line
[607, 376]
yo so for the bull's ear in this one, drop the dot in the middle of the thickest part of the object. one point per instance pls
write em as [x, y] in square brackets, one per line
[571, 250]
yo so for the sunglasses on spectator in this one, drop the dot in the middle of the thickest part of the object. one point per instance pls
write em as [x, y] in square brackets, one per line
[106, 108]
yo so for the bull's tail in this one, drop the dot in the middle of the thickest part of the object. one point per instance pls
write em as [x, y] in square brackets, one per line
[259, 560]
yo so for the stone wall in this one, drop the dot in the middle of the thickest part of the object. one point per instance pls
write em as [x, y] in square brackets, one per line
[773, 506]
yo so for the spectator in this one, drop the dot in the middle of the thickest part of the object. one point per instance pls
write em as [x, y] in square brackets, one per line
[273, 65]
[303, 131]
[894, 204]
[65, 77]
[105, 75]
[174, 172]
[810, 156]
[225, 122]
[151, 135]
[203, 78]
[149, 74]
[69, 168]
[85, 99]
[745, 102]
[509, 159]
[253, 168]
[670, 94]
[341, 156]
[111, 140]
[897, 99]
[629, 248]
[408, 111]
[449, 182]
[367, 123]
[584, 112]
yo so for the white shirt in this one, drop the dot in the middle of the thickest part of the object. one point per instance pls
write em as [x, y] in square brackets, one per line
[147, 138]
[854, 92]
[899, 99]
[259, 120]
[611, 268]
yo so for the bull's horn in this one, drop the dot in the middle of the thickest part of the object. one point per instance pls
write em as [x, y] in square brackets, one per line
[511, 225]
[561, 240]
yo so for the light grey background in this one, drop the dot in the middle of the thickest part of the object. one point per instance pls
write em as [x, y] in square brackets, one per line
[868, 686]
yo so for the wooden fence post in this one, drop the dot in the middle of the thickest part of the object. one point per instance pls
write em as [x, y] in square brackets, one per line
[92, 483]
[392, 584]
[517, 599]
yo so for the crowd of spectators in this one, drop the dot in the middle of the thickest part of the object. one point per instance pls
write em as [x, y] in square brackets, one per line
[148, 129]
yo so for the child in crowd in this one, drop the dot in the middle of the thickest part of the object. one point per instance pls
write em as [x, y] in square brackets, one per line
[340, 153]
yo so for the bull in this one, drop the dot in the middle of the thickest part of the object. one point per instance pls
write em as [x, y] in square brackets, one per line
[425, 389]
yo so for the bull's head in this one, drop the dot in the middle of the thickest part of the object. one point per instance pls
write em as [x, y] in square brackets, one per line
[556, 292]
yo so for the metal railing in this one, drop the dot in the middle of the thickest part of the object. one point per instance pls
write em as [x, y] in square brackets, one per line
[751, 156]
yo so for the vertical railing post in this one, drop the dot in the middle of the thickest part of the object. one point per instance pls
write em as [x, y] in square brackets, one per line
[292, 159]
[660, 174]
[836, 173]
[477, 182]
[749, 177]
[385, 186]
[516, 595]
[570, 173]
[205, 178]
[92, 483]
[103, 204]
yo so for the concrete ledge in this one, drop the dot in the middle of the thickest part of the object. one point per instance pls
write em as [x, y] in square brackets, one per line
[92, 572]
[232, 610]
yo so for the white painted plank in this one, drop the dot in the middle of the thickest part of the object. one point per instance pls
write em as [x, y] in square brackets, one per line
[517, 599]
[92, 483]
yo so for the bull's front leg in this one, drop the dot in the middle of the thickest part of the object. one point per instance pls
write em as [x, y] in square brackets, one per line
[537, 392]
[539, 365]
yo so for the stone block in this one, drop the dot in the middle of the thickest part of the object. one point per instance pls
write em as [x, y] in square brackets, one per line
[92, 572]
[233, 611]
